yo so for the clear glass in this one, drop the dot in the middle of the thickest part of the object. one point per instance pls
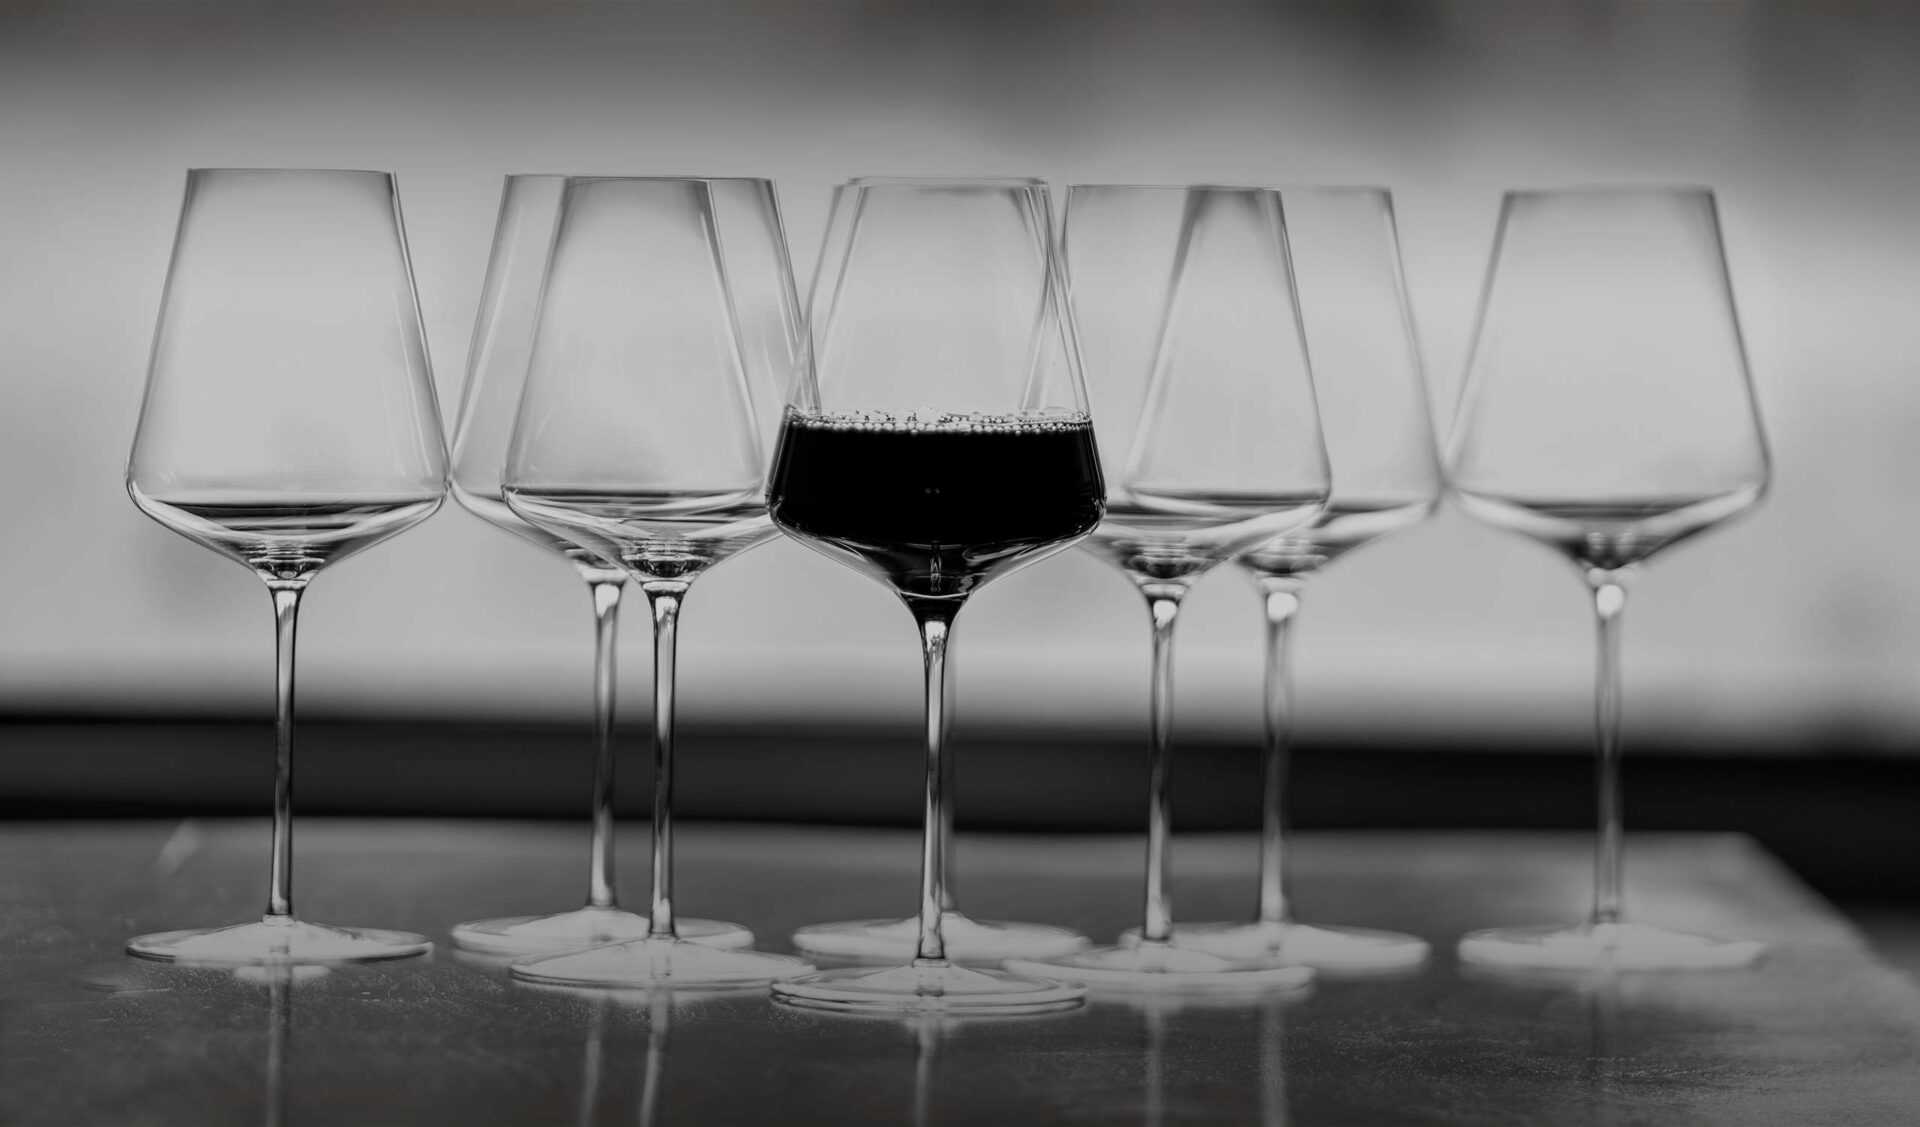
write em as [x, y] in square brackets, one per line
[943, 442]
[1609, 414]
[638, 438]
[1198, 370]
[289, 422]
[747, 214]
[1379, 436]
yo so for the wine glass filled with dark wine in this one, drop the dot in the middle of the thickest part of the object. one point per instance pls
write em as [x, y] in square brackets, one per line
[753, 242]
[289, 423]
[1608, 414]
[942, 440]
[1211, 439]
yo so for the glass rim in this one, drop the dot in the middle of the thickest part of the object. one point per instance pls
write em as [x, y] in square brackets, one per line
[306, 171]
[1622, 188]
[1025, 182]
[1380, 191]
[513, 176]
[1243, 189]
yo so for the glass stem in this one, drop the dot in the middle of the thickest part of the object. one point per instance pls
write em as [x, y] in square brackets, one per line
[1164, 604]
[935, 620]
[1282, 599]
[601, 892]
[946, 808]
[286, 618]
[1609, 599]
[664, 598]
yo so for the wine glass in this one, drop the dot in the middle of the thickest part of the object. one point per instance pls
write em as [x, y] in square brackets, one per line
[289, 422]
[1212, 444]
[1608, 414]
[945, 442]
[1373, 412]
[637, 437]
[755, 244]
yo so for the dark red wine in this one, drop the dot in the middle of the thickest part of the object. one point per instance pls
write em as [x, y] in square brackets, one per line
[936, 507]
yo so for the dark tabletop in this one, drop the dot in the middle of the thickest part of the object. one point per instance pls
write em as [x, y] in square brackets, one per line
[1818, 1033]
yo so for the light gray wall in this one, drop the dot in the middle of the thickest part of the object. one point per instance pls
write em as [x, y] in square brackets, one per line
[1806, 617]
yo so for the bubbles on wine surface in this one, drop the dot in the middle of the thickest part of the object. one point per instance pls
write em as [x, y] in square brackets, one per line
[1050, 421]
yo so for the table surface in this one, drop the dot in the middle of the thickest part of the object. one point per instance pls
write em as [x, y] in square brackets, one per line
[1818, 1033]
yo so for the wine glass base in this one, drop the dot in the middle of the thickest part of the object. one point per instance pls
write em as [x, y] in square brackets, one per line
[940, 988]
[1159, 967]
[277, 941]
[967, 940]
[1310, 945]
[1604, 947]
[585, 927]
[658, 963]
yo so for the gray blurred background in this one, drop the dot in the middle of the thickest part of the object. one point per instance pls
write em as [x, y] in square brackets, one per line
[1793, 633]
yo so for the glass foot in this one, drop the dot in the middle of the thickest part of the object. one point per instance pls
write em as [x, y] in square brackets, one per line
[938, 988]
[643, 963]
[1605, 947]
[1328, 948]
[277, 940]
[585, 927]
[1162, 967]
[967, 940]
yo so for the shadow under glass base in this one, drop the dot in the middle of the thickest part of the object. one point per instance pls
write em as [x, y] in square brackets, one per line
[1617, 946]
[1327, 948]
[585, 927]
[938, 988]
[967, 940]
[1162, 967]
[277, 940]
[658, 963]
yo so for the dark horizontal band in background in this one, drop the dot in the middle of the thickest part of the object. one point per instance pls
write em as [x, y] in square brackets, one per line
[1842, 821]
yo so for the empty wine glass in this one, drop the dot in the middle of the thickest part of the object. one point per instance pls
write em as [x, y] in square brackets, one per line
[637, 436]
[748, 215]
[1608, 414]
[945, 442]
[289, 422]
[1373, 412]
[1211, 440]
